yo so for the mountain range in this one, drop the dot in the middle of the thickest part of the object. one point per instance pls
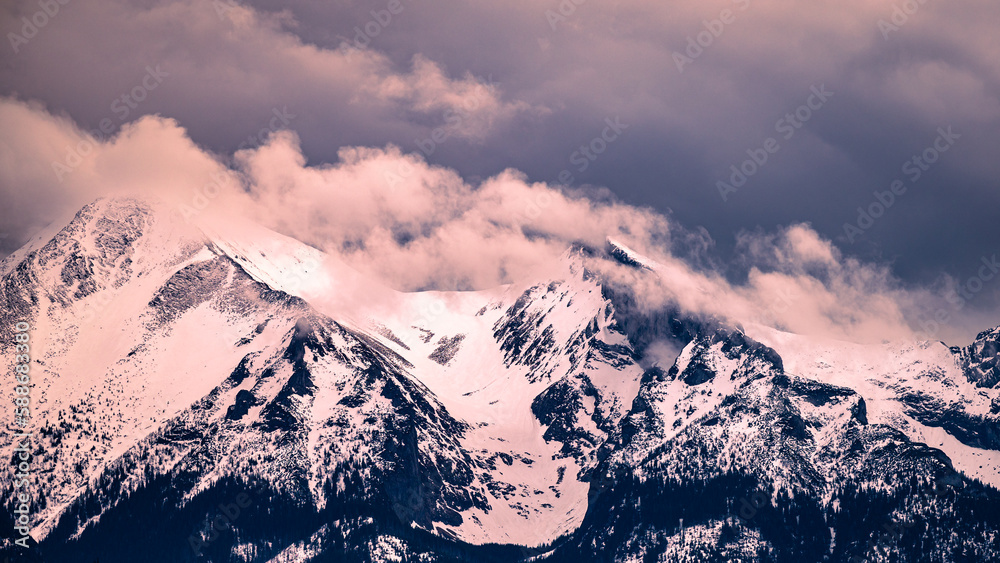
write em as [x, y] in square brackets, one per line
[215, 391]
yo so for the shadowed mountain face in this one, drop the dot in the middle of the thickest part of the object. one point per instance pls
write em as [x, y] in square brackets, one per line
[981, 359]
[191, 403]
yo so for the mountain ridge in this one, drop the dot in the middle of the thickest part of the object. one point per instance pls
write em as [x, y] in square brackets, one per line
[517, 422]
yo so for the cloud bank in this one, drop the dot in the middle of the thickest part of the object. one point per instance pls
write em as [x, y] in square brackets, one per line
[414, 225]
[478, 108]
[360, 74]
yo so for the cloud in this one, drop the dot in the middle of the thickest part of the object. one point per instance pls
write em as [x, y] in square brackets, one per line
[226, 68]
[418, 226]
[551, 90]
[507, 92]
[795, 281]
[51, 167]
[422, 226]
[413, 225]
[469, 107]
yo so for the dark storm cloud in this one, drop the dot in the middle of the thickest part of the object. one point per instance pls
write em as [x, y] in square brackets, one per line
[897, 75]
[231, 76]
[551, 73]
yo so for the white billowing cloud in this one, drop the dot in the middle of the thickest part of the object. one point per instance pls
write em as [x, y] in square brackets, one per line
[225, 69]
[811, 287]
[51, 167]
[413, 225]
[796, 281]
[229, 65]
[419, 226]
[469, 107]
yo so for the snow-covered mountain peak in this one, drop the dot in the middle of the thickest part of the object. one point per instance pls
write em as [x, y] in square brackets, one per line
[179, 365]
[981, 359]
[108, 242]
[626, 255]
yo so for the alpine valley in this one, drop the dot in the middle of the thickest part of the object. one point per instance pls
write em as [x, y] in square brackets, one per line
[224, 393]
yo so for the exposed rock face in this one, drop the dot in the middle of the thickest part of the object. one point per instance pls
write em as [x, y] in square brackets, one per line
[175, 371]
[981, 359]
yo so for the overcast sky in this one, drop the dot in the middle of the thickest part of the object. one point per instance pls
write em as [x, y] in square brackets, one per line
[672, 106]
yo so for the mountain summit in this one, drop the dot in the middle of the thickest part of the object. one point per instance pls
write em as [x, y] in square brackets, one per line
[226, 393]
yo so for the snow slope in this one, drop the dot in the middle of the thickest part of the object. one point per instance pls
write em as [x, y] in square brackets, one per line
[139, 319]
[908, 386]
[176, 360]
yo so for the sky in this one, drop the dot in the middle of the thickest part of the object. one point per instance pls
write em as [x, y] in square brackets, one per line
[841, 152]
